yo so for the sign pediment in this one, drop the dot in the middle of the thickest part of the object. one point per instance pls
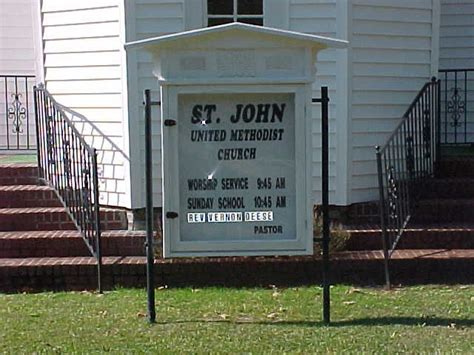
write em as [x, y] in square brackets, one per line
[236, 35]
[236, 52]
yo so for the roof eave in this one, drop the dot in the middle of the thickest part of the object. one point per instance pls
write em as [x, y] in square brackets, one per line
[312, 40]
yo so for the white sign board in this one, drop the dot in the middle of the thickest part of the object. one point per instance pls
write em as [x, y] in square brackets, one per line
[237, 167]
[239, 191]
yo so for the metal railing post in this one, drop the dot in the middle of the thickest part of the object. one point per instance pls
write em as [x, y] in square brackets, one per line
[438, 124]
[37, 124]
[98, 239]
[383, 218]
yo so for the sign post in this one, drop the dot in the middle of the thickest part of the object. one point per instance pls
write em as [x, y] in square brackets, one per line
[150, 258]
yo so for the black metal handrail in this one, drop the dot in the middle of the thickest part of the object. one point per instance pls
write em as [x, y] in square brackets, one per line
[403, 164]
[69, 165]
[457, 106]
[16, 132]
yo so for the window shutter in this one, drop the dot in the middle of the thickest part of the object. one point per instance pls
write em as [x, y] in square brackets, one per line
[276, 13]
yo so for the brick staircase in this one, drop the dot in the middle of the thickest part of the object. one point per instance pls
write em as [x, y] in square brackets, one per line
[438, 245]
[40, 247]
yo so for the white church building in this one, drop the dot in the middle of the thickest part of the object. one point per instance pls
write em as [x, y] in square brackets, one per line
[76, 48]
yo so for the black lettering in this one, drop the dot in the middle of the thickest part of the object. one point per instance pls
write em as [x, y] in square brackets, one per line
[202, 184]
[278, 112]
[209, 109]
[281, 202]
[262, 113]
[230, 203]
[268, 229]
[235, 184]
[237, 154]
[280, 183]
[200, 203]
[249, 113]
[235, 118]
[281, 134]
[197, 114]
[263, 134]
[213, 135]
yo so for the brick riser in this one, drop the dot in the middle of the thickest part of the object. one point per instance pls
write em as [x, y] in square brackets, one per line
[415, 239]
[8, 181]
[449, 188]
[52, 218]
[81, 273]
[462, 167]
[18, 174]
[444, 211]
[68, 244]
[27, 196]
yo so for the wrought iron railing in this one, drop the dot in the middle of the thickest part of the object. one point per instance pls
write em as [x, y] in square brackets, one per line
[17, 131]
[69, 165]
[457, 106]
[403, 164]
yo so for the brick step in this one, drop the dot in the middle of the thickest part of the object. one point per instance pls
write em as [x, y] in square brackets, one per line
[455, 167]
[433, 237]
[12, 196]
[18, 174]
[359, 267]
[443, 211]
[68, 243]
[441, 188]
[53, 218]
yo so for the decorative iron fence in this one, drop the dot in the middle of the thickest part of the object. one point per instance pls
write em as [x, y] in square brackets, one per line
[17, 124]
[69, 165]
[457, 106]
[406, 159]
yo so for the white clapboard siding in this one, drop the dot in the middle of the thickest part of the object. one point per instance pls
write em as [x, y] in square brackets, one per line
[151, 18]
[91, 72]
[61, 6]
[86, 16]
[391, 53]
[17, 51]
[319, 18]
[457, 34]
[84, 44]
[82, 68]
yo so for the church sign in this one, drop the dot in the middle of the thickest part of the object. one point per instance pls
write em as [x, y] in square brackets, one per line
[236, 140]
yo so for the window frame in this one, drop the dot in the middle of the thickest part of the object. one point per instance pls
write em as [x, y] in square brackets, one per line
[276, 14]
[235, 15]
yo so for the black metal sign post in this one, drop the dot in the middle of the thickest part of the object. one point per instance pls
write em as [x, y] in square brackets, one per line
[325, 201]
[150, 258]
[324, 100]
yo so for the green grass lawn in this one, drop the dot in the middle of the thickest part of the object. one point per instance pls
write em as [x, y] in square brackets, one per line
[411, 319]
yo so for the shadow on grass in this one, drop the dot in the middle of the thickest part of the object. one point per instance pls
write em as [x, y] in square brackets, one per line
[364, 322]
[407, 321]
